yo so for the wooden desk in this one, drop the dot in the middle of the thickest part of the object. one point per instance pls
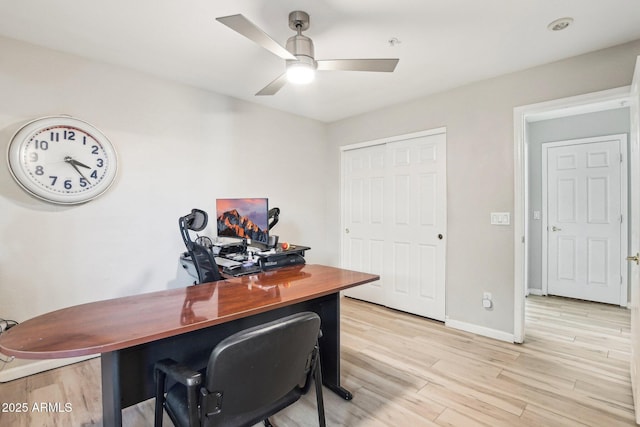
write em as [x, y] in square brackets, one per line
[132, 333]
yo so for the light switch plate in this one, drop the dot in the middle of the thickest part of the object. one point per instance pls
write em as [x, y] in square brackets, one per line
[500, 218]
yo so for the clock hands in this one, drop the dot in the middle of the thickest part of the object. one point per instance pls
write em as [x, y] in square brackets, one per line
[75, 164]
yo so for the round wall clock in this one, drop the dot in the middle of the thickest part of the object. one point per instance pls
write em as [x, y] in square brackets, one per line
[62, 160]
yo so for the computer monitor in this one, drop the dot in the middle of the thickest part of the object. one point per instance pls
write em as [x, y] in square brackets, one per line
[244, 218]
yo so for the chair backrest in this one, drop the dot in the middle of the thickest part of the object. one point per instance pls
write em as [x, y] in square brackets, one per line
[205, 264]
[273, 217]
[202, 257]
[259, 371]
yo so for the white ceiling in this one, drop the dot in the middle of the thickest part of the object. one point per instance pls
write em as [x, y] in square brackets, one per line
[444, 43]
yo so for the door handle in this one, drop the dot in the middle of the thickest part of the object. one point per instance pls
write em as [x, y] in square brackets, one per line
[554, 228]
[635, 258]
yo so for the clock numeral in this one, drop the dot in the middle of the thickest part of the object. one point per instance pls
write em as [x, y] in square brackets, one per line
[67, 184]
[39, 170]
[33, 157]
[84, 140]
[83, 182]
[94, 149]
[94, 174]
[54, 137]
[100, 163]
[69, 135]
[53, 179]
[42, 145]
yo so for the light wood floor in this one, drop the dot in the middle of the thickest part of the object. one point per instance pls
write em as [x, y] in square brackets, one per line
[403, 370]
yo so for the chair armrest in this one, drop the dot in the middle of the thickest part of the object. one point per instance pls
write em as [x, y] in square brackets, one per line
[181, 374]
[178, 372]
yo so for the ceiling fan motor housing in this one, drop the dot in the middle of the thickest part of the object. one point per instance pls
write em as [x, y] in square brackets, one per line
[302, 48]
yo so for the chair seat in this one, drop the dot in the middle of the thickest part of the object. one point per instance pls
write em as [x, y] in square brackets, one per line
[176, 405]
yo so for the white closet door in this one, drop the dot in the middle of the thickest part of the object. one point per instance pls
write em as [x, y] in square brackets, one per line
[363, 213]
[394, 214]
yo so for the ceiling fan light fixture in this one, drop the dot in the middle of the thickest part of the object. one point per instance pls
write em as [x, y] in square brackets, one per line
[300, 73]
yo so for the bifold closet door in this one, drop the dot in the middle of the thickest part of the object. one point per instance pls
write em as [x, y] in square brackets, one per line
[394, 222]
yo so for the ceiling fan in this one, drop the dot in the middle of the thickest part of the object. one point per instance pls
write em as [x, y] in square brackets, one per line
[299, 53]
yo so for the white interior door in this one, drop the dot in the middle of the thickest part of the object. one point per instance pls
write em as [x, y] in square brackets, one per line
[634, 244]
[394, 222]
[415, 266]
[363, 201]
[585, 195]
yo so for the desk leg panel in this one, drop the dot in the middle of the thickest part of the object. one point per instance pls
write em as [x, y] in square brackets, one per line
[111, 407]
[329, 311]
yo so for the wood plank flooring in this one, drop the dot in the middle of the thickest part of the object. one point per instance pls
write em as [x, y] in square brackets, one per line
[403, 370]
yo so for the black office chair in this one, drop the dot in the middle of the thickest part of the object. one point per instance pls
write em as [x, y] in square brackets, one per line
[202, 257]
[250, 376]
[273, 217]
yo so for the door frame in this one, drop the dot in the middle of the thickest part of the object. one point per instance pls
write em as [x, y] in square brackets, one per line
[522, 116]
[634, 237]
[624, 208]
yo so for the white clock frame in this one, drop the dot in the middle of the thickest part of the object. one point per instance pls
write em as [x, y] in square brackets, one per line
[56, 168]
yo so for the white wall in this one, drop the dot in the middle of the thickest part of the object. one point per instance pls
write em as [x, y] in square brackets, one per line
[480, 167]
[178, 147]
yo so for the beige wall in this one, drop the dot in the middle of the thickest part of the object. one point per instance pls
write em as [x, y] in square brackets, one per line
[480, 167]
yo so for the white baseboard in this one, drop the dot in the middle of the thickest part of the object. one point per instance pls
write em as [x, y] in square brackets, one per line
[480, 330]
[19, 368]
[535, 292]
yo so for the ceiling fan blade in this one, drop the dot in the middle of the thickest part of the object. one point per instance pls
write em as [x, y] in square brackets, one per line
[383, 65]
[273, 87]
[242, 25]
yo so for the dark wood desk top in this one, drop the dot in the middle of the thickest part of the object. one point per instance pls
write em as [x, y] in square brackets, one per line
[114, 324]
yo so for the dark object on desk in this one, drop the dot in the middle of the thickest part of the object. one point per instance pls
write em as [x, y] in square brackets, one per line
[281, 260]
[202, 257]
[242, 270]
[239, 247]
[250, 376]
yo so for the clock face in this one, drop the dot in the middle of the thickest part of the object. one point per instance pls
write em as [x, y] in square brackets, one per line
[62, 160]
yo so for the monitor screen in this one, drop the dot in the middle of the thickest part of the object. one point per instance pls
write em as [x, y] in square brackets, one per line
[243, 218]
